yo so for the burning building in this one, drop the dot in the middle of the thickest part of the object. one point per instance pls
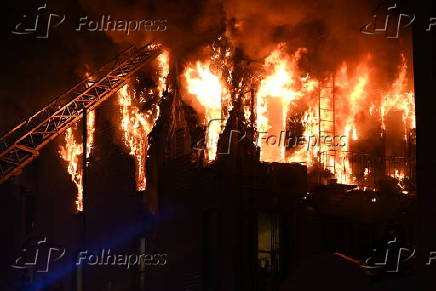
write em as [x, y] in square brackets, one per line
[248, 153]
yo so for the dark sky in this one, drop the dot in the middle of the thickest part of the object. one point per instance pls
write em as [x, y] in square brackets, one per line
[37, 70]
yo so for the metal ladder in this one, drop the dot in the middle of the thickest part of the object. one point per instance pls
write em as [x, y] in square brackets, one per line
[326, 123]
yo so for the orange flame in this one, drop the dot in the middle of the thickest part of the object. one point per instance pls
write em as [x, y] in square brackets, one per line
[135, 129]
[354, 93]
[90, 123]
[276, 92]
[208, 90]
[164, 68]
[71, 152]
[400, 99]
[137, 125]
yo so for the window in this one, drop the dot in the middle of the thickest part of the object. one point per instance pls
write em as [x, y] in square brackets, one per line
[268, 242]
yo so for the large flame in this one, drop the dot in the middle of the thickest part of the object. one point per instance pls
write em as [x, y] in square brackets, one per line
[208, 89]
[135, 129]
[71, 152]
[358, 100]
[137, 124]
[400, 99]
[282, 85]
[353, 87]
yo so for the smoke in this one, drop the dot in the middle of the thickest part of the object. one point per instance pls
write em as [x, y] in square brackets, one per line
[189, 25]
[329, 30]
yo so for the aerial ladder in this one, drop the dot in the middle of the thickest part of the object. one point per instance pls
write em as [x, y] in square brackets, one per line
[21, 145]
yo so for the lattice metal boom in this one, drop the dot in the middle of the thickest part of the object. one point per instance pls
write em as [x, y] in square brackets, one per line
[22, 144]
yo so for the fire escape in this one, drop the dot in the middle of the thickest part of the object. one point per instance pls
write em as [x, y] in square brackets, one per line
[21, 145]
[326, 124]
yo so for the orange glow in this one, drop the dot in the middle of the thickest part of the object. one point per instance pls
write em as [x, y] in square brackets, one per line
[354, 88]
[135, 128]
[274, 96]
[164, 68]
[71, 152]
[136, 125]
[356, 113]
[400, 99]
[90, 123]
[208, 89]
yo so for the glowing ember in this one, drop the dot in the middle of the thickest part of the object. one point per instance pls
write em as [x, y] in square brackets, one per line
[208, 90]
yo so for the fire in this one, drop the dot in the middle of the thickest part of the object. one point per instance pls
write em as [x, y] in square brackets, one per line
[135, 129]
[307, 153]
[282, 87]
[90, 123]
[276, 92]
[137, 124]
[354, 90]
[354, 94]
[351, 108]
[208, 89]
[72, 151]
[164, 67]
[400, 99]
